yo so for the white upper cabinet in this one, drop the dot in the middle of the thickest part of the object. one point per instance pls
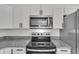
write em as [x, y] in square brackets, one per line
[47, 10]
[26, 16]
[5, 16]
[58, 18]
[21, 17]
[34, 9]
[17, 17]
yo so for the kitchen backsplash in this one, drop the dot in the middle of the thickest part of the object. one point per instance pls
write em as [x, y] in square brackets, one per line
[24, 32]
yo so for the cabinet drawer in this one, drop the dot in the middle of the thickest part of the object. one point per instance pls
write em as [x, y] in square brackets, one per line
[14, 50]
[19, 51]
[1, 51]
[63, 51]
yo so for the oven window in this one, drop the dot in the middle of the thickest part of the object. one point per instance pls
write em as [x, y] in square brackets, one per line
[41, 39]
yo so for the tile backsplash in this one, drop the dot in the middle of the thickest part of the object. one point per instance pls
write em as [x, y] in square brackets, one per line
[24, 32]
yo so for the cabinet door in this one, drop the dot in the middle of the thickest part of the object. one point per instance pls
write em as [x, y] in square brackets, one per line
[13, 50]
[26, 16]
[34, 9]
[19, 51]
[58, 18]
[1, 51]
[5, 16]
[8, 51]
[21, 17]
[17, 16]
[63, 51]
[47, 10]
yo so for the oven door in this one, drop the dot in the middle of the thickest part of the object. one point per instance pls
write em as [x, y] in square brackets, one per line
[41, 51]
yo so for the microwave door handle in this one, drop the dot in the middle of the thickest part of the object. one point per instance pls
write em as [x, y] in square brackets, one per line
[51, 22]
[48, 22]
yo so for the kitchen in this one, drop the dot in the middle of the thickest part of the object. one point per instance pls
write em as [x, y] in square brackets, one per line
[18, 31]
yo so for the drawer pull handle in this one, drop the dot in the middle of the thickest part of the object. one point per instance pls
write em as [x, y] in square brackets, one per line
[19, 49]
[64, 50]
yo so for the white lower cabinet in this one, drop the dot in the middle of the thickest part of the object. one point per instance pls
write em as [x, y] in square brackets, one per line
[8, 51]
[14, 50]
[19, 51]
[63, 51]
[1, 51]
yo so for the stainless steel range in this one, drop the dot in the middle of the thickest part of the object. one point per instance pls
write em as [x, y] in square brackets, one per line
[41, 41]
[41, 44]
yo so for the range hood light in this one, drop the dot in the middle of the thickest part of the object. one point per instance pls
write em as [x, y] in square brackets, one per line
[40, 31]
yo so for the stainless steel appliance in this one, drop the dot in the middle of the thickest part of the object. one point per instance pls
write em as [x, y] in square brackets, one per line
[77, 31]
[44, 22]
[70, 33]
[41, 44]
[41, 41]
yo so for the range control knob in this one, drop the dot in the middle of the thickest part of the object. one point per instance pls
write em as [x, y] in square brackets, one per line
[33, 33]
[47, 33]
[38, 33]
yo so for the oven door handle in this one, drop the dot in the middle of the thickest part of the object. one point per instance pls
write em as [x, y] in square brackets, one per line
[49, 50]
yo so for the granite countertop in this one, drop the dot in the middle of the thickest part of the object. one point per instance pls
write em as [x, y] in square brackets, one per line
[61, 44]
[10, 42]
[13, 41]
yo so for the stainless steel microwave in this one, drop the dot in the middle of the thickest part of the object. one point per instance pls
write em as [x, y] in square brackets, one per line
[41, 22]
